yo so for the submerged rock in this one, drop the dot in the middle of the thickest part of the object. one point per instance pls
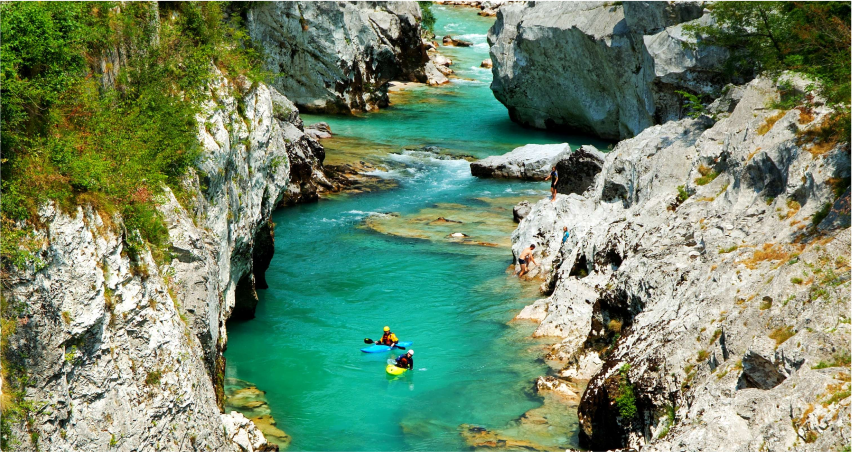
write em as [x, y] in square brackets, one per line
[451, 41]
[532, 161]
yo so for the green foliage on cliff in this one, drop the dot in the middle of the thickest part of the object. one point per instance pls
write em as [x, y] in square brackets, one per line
[808, 37]
[626, 399]
[427, 20]
[72, 135]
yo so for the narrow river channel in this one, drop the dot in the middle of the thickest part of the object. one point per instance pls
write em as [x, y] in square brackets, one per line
[347, 266]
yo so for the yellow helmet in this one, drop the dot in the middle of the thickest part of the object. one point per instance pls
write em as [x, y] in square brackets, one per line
[387, 328]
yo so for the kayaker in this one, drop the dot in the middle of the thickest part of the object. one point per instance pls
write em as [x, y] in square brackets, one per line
[406, 361]
[524, 259]
[388, 338]
[553, 177]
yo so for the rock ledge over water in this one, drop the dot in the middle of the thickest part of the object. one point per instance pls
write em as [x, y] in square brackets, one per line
[532, 161]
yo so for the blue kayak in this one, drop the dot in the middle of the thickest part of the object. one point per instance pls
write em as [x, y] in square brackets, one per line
[375, 348]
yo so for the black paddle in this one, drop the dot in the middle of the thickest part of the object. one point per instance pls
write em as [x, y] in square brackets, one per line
[370, 341]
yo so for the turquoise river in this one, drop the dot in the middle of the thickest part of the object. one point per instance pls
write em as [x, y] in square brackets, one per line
[351, 264]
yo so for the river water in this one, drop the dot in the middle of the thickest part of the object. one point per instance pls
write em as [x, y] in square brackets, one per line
[346, 267]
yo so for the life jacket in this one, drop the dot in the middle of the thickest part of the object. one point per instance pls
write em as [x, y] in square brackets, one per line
[388, 338]
[403, 361]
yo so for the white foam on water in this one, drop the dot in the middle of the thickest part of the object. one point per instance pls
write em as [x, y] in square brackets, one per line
[471, 37]
[360, 214]
[463, 81]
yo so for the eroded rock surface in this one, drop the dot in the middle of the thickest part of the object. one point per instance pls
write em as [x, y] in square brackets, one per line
[724, 314]
[338, 57]
[124, 351]
[600, 68]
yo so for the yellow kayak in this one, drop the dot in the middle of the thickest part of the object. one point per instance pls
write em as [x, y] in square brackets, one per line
[393, 370]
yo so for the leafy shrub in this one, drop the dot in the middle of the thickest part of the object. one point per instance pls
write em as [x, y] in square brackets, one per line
[68, 137]
[808, 37]
[692, 104]
[682, 194]
[625, 400]
[427, 20]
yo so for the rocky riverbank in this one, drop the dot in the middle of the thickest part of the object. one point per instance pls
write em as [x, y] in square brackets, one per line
[123, 348]
[704, 290]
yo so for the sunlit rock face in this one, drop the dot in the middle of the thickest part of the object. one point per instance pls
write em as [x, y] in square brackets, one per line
[336, 57]
[125, 351]
[695, 274]
[597, 67]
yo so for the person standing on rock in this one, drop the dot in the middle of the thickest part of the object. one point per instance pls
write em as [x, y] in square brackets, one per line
[565, 234]
[553, 178]
[524, 259]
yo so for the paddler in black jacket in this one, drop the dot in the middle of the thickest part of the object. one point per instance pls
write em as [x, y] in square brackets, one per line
[406, 361]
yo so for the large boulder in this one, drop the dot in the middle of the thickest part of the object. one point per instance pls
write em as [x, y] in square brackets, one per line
[339, 56]
[598, 68]
[532, 161]
[578, 171]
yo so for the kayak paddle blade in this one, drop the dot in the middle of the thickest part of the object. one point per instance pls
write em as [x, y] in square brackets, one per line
[368, 340]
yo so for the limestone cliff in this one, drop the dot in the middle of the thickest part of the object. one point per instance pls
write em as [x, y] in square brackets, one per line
[123, 350]
[704, 289]
[339, 56]
[600, 68]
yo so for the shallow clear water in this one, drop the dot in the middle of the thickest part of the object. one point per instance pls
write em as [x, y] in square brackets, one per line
[336, 280]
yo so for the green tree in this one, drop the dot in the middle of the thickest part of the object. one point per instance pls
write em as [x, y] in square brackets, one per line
[808, 37]
[67, 137]
[427, 17]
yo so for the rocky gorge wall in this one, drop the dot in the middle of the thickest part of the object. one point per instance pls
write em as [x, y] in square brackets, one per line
[704, 291]
[124, 351]
[337, 57]
[608, 69]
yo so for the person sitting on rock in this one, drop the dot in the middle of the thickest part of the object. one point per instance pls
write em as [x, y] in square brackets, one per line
[554, 177]
[388, 338]
[524, 260]
[406, 361]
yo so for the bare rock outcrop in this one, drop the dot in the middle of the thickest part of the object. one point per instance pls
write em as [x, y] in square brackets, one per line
[600, 68]
[339, 56]
[532, 161]
[700, 291]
